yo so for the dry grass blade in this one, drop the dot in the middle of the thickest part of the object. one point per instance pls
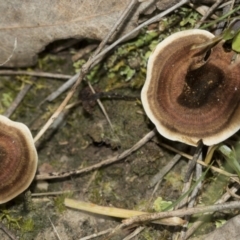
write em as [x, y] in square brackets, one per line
[117, 212]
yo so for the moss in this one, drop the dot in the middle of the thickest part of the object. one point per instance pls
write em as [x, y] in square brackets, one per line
[59, 202]
[10, 218]
[27, 225]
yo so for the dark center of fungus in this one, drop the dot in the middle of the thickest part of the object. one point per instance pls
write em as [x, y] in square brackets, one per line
[201, 86]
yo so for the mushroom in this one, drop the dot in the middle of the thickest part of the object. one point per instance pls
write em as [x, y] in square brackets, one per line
[192, 94]
[18, 159]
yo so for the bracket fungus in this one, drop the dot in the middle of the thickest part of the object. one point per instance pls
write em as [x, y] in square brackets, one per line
[191, 93]
[18, 159]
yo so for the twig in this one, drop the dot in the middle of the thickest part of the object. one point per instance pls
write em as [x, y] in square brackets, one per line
[135, 233]
[55, 230]
[114, 30]
[111, 160]
[185, 190]
[35, 74]
[192, 198]
[232, 194]
[220, 25]
[116, 27]
[199, 222]
[96, 234]
[52, 193]
[95, 60]
[62, 105]
[62, 89]
[17, 100]
[210, 11]
[101, 106]
[83, 52]
[85, 68]
[151, 20]
[156, 179]
[180, 213]
[226, 196]
[198, 187]
[192, 163]
[7, 231]
[199, 161]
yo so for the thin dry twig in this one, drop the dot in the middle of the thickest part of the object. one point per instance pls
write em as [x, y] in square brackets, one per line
[193, 196]
[83, 52]
[96, 234]
[111, 160]
[52, 193]
[17, 100]
[135, 233]
[95, 60]
[226, 196]
[151, 20]
[86, 67]
[186, 188]
[35, 74]
[116, 27]
[210, 11]
[156, 179]
[232, 194]
[200, 162]
[61, 89]
[8, 232]
[195, 191]
[179, 213]
[221, 25]
[101, 106]
[192, 163]
[55, 230]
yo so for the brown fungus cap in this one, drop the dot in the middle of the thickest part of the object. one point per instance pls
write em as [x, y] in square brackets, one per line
[18, 159]
[190, 95]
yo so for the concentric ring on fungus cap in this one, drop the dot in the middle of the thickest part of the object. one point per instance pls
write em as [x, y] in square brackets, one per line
[189, 103]
[18, 159]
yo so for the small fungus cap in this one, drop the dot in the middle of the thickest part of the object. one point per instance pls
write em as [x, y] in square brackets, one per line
[18, 159]
[190, 95]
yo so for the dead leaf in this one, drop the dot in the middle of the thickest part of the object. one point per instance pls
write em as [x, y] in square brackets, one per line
[34, 24]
